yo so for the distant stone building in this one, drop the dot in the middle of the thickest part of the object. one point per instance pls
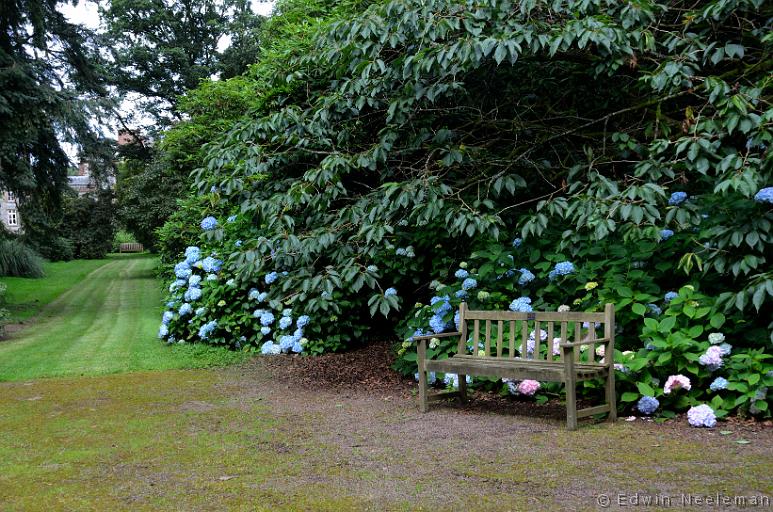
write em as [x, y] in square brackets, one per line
[82, 183]
[9, 212]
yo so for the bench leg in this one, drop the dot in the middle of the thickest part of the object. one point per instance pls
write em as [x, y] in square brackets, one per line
[571, 402]
[463, 388]
[422, 353]
[610, 395]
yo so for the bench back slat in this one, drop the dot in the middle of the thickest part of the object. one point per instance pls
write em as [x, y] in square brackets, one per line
[531, 327]
[500, 333]
[511, 353]
[551, 343]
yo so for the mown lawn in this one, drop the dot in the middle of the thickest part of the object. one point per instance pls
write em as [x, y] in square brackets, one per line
[238, 439]
[26, 297]
[105, 322]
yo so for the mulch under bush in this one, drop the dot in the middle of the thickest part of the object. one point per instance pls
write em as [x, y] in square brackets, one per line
[368, 369]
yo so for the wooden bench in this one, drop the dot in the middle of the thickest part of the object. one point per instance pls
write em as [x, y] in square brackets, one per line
[571, 364]
[130, 247]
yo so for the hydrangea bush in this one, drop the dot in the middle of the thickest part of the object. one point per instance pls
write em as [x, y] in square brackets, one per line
[646, 168]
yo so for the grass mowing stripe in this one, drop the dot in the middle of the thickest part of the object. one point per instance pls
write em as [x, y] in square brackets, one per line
[105, 324]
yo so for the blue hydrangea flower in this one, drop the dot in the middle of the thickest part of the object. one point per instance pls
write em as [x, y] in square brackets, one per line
[390, 292]
[285, 322]
[185, 309]
[461, 274]
[371, 268]
[469, 284]
[302, 321]
[270, 348]
[171, 304]
[517, 242]
[564, 268]
[262, 296]
[526, 276]
[200, 311]
[457, 320]
[267, 318]
[207, 329]
[437, 324]
[287, 312]
[460, 294]
[765, 195]
[194, 280]
[210, 264]
[326, 295]
[726, 348]
[253, 294]
[232, 218]
[669, 296]
[417, 332]
[655, 309]
[521, 305]
[182, 270]
[265, 331]
[209, 223]
[271, 277]
[192, 294]
[665, 234]
[286, 343]
[176, 284]
[400, 251]
[214, 189]
[192, 255]
[238, 243]
[677, 198]
[647, 405]
[163, 331]
[211, 277]
[297, 347]
[718, 384]
[168, 316]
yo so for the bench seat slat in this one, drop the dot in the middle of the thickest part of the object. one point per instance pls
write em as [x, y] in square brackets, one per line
[511, 368]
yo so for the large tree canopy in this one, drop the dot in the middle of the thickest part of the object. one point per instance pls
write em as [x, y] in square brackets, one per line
[50, 90]
[160, 48]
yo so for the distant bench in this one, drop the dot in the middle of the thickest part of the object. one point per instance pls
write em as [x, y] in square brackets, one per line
[570, 365]
[130, 247]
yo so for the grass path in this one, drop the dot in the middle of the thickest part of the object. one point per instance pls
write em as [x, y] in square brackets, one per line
[237, 438]
[105, 323]
[26, 297]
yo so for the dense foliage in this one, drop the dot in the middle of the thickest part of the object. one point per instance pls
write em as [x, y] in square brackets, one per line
[89, 224]
[630, 140]
[18, 260]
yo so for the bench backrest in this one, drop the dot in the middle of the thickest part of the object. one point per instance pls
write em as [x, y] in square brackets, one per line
[536, 335]
[130, 247]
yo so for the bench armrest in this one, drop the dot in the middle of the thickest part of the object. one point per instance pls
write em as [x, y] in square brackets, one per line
[430, 336]
[583, 342]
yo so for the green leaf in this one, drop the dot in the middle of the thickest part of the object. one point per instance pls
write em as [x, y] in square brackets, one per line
[639, 309]
[717, 320]
[628, 396]
[667, 324]
[645, 389]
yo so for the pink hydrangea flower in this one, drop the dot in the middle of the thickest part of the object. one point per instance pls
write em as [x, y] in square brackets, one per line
[675, 382]
[712, 359]
[528, 387]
